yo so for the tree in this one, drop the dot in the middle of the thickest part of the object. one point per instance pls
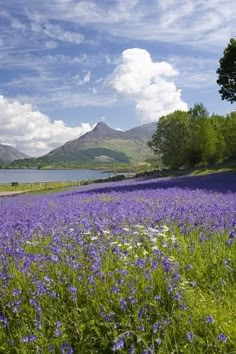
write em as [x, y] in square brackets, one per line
[218, 123]
[198, 111]
[230, 135]
[227, 72]
[202, 142]
[171, 139]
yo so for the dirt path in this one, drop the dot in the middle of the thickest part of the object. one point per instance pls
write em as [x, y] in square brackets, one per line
[10, 194]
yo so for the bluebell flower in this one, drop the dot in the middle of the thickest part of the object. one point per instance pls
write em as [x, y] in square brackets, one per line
[123, 304]
[189, 336]
[156, 298]
[222, 338]
[3, 320]
[131, 350]
[208, 319]
[28, 339]
[118, 344]
[155, 327]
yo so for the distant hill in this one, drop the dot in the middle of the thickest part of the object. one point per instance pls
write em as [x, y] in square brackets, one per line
[9, 154]
[104, 144]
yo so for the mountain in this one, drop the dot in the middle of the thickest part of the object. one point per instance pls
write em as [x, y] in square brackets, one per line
[9, 154]
[104, 144]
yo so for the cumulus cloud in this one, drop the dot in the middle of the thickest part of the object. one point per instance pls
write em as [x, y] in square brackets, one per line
[148, 84]
[31, 131]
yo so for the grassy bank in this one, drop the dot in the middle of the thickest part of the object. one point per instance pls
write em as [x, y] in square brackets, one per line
[41, 186]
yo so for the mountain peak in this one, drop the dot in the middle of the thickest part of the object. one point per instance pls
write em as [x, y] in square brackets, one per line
[103, 144]
[103, 130]
[101, 126]
[9, 153]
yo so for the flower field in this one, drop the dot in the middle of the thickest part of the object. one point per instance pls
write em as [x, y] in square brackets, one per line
[139, 266]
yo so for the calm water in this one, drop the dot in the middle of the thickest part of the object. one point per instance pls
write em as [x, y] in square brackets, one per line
[31, 176]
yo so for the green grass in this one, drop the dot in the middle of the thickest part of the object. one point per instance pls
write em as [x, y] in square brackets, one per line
[90, 312]
[227, 166]
[43, 186]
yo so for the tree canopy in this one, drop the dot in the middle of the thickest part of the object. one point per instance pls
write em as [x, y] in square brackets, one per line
[193, 138]
[227, 72]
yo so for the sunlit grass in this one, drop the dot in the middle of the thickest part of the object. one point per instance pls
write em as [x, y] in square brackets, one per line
[41, 186]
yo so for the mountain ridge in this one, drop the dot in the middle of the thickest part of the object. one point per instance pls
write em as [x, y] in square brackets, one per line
[9, 154]
[117, 146]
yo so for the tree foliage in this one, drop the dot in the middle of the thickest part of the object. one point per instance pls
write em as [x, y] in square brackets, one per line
[230, 135]
[193, 138]
[227, 73]
[170, 138]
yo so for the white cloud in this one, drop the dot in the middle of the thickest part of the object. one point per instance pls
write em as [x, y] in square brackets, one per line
[196, 72]
[31, 131]
[80, 81]
[68, 98]
[146, 82]
[56, 32]
[194, 22]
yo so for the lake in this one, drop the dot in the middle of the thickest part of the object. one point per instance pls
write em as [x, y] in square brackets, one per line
[32, 176]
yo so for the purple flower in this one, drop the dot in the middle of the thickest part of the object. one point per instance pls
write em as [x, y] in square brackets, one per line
[72, 291]
[123, 304]
[35, 305]
[176, 296]
[140, 328]
[156, 298]
[3, 320]
[16, 292]
[131, 350]
[132, 300]
[50, 348]
[139, 263]
[208, 319]
[115, 289]
[118, 344]
[65, 348]
[189, 336]
[222, 338]
[167, 265]
[188, 267]
[28, 339]
[155, 327]
[182, 307]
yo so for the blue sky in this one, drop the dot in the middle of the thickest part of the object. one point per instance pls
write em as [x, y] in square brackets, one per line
[67, 64]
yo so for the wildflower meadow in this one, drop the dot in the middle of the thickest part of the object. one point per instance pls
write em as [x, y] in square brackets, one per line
[138, 266]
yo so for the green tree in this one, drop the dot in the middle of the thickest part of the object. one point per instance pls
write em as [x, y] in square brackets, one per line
[227, 72]
[203, 137]
[171, 139]
[218, 124]
[198, 111]
[230, 135]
